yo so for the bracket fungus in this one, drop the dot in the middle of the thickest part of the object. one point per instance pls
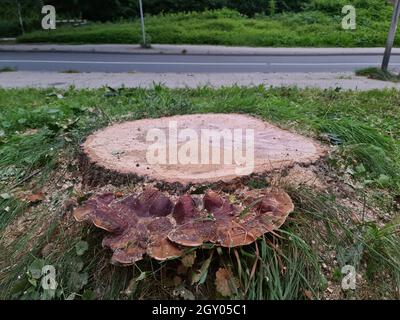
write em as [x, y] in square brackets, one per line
[137, 225]
[227, 224]
[164, 226]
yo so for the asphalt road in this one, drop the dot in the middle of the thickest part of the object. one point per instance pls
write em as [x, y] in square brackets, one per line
[158, 63]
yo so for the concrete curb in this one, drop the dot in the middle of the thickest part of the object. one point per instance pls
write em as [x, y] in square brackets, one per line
[189, 49]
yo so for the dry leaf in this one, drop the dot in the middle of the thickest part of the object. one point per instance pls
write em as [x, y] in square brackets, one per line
[182, 270]
[200, 275]
[35, 197]
[131, 287]
[70, 204]
[308, 294]
[225, 282]
[184, 293]
[177, 281]
[355, 218]
[48, 249]
[330, 290]
[188, 259]
[29, 132]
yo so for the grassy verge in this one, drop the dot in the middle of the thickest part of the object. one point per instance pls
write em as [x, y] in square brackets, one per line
[41, 130]
[378, 74]
[227, 27]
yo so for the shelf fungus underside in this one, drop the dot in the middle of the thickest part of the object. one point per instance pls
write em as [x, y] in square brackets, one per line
[163, 227]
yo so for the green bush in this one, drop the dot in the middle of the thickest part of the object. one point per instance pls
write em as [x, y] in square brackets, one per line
[9, 28]
[229, 27]
[372, 15]
[335, 6]
[111, 10]
[9, 20]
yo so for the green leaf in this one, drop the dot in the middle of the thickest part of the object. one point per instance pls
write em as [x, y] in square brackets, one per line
[35, 268]
[81, 247]
[48, 294]
[351, 255]
[78, 280]
[31, 294]
[5, 196]
[59, 293]
[71, 296]
[53, 111]
[88, 295]
[142, 276]
[33, 282]
[360, 169]
[79, 265]
[6, 124]
[201, 275]
[384, 180]
[20, 286]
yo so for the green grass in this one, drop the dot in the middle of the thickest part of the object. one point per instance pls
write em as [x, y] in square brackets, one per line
[8, 69]
[70, 71]
[41, 129]
[227, 27]
[367, 246]
[378, 74]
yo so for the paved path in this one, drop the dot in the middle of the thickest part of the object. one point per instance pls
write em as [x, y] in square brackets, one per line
[181, 80]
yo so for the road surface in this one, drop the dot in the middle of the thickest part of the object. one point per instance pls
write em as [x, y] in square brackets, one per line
[159, 63]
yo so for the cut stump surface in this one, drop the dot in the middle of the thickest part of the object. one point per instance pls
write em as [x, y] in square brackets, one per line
[120, 152]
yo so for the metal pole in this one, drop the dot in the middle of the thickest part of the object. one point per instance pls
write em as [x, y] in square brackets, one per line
[391, 35]
[142, 23]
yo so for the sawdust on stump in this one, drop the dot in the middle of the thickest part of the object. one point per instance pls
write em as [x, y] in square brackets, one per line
[164, 226]
[119, 153]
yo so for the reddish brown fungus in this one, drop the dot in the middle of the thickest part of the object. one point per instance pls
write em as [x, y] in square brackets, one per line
[151, 223]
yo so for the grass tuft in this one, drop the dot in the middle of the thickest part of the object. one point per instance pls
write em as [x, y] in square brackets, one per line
[70, 71]
[8, 69]
[378, 74]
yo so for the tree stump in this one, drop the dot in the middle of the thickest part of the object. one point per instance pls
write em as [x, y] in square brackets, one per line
[181, 151]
